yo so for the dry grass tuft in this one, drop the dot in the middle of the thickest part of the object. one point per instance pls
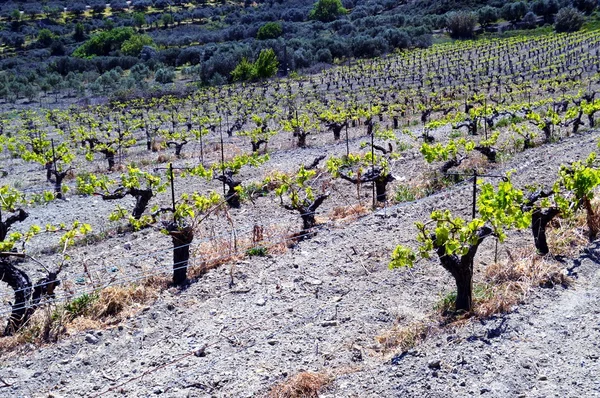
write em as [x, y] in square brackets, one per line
[405, 337]
[115, 300]
[302, 385]
[87, 312]
[510, 282]
[347, 212]
[566, 237]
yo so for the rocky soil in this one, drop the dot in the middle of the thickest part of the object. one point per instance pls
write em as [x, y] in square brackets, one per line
[320, 306]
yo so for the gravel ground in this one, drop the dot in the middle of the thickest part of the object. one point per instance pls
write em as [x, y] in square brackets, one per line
[319, 306]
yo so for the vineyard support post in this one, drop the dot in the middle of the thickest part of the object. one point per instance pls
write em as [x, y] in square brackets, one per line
[347, 143]
[53, 156]
[474, 193]
[373, 166]
[485, 117]
[172, 178]
[222, 152]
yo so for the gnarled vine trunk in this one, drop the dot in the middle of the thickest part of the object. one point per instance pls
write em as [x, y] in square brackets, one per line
[182, 237]
[375, 175]
[232, 197]
[21, 284]
[539, 221]
[178, 147]
[142, 198]
[307, 212]
[256, 145]
[461, 269]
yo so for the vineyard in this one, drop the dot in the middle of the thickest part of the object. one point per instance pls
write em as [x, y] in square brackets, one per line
[247, 233]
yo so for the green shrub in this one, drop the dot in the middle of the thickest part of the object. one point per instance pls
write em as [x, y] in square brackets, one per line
[133, 46]
[80, 305]
[270, 30]
[164, 75]
[260, 251]
[405, 193]
[327, 10]
[461, 24]
[568, 19]
[243, 71]
[104, 42]
[264, 67]
[487, 15]
[45, 37]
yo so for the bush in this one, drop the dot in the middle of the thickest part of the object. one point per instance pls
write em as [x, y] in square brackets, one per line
[45, 37]
[529, 20]
[514, 12]
[164, 75]
[243, 71]
[585, 6]
[264, 67]
[133, 46]
[324, 55]
[545, 8]
[327, 10]
[397, 38]
[104, 42]
[568, 19]
[487, 15]
[368, 47]
[461, 24]
[270, 30]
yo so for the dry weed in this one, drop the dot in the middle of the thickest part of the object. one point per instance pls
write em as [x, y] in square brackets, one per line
[348, 212]
[405, 337]
[302, 385]
[118, 300]
[511, 281]
[567, 237]
[105, 308]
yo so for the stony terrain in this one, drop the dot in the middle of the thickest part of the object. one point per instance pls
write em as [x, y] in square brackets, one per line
[320, 307]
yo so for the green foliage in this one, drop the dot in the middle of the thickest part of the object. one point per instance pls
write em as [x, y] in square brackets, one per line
[327, 10]
[104, 43]
[481, 292]
[259, 251]
[261, 132]
[581, 179]
[235, 164]
[405, 193]
[133, 46]
[454, 234]
[252, 190]
[487, 15]
[568, 19]
[243, 71]
[164, 75]
[358, 163]
[502, 207]
[11, 198]
[190, 206]
[45, 37]
[81, 305]
[265, 66]
[441, 152]
[270, 30]
[139, 19]
[461, 24]
[295, 187]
